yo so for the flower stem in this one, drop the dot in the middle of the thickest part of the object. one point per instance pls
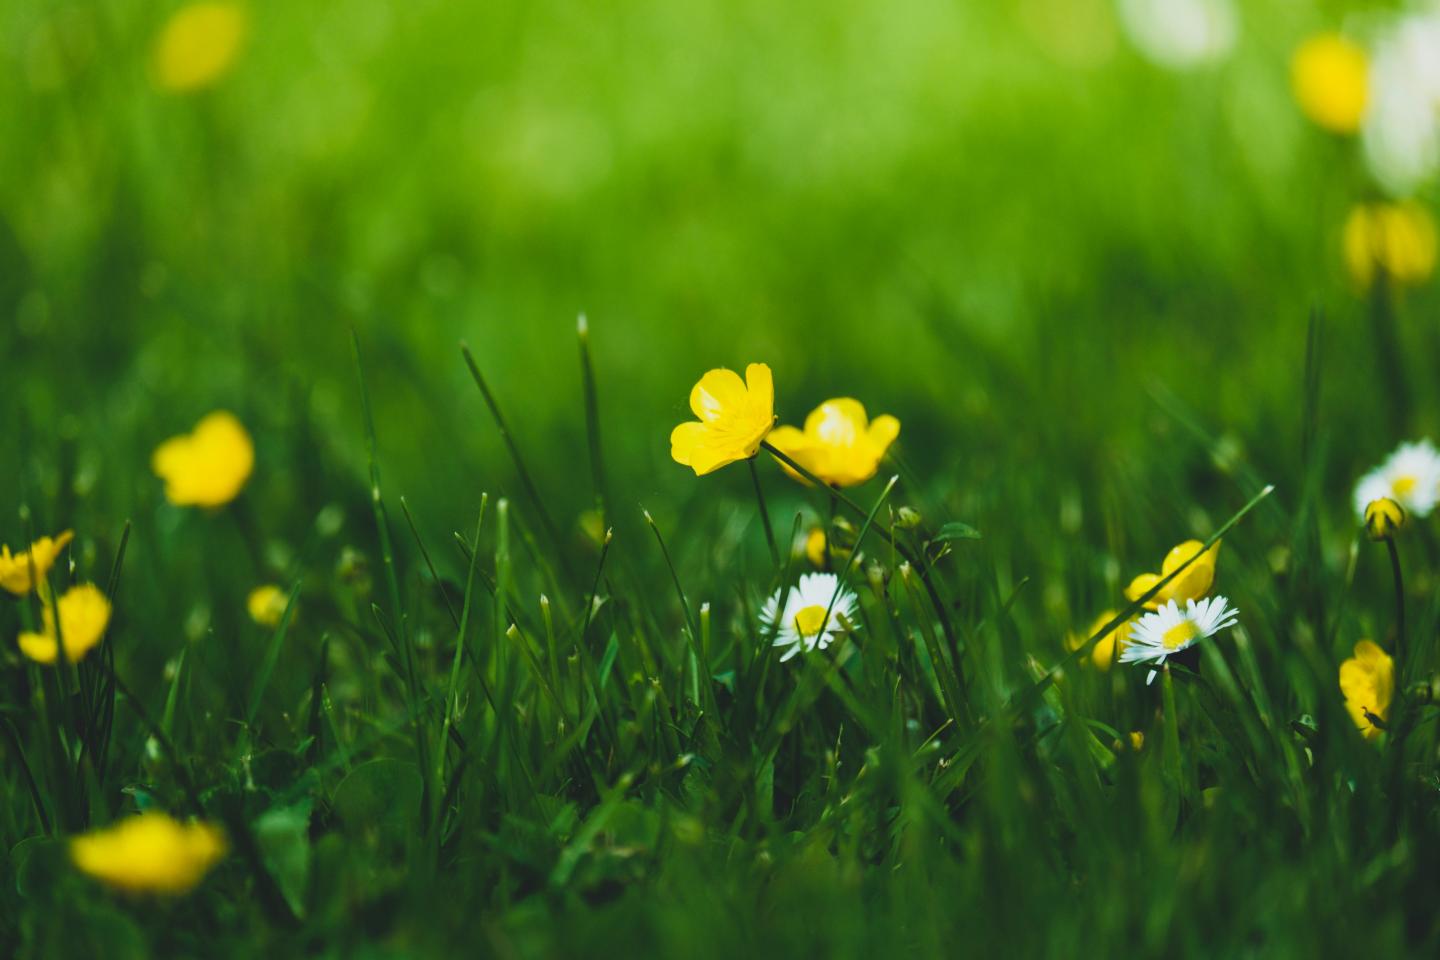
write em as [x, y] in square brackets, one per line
[764, 513]
[1399, 611]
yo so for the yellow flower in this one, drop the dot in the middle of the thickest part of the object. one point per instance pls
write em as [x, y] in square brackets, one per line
[208, 467]
[15, 570]
[1383, 518]
[84, 614]
[735, 416]
[1330, 77]
[1367, 681]
[1103, 654]
[1397, 240]
[267, 605]
[1193, 584]
[839, 444]
[815, 546]
[1137, 740]
[198, 45]
[150, 853]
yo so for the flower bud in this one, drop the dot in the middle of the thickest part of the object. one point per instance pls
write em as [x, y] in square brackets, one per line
[1383, 518]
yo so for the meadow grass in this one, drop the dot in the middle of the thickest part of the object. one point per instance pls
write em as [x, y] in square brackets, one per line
[514, 692]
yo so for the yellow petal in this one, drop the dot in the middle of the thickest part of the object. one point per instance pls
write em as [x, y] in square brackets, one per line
[685, 440]
[884, 429]
[718, 392]
[39, 647]
[761, 385]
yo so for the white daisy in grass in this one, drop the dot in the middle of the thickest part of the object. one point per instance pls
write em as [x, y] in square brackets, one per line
[797, 615]
[1165, 632]
[1410, 476]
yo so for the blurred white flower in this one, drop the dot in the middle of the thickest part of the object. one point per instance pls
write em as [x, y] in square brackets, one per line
[1180, 33]
[1401, 132]
[1410, 476]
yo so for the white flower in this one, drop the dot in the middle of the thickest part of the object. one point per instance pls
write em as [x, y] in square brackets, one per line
[799, 621]
[1410, 476]
[1180, 33]
[1167, 631]
[1401, 133]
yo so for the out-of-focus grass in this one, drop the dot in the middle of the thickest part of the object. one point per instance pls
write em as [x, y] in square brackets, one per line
[1083, 284]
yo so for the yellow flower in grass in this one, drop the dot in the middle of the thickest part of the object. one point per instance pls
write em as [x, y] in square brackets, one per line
[17, 571]
[1330, 77]
[207, 467]
[734, 417]
[267, 605]
[1397, 240]
[1193, 584]
[150, 853]
[1367, 680]
[1103, 654]
[84, 615]
[839, 444]
[198, 45]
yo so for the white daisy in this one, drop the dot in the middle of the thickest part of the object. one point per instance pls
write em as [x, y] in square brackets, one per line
[799, 621]
[1410, 476]
[1167, 631]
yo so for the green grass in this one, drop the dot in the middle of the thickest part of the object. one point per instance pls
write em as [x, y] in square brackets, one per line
[522, 703]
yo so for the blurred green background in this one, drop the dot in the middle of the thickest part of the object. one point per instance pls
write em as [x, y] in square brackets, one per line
[997, 221]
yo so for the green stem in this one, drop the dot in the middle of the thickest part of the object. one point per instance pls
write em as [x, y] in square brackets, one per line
[764, 513]
[1400, 663]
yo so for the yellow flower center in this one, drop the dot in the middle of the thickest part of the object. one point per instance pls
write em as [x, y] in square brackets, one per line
[810, 620]
[1179, 635]
[1404, 486]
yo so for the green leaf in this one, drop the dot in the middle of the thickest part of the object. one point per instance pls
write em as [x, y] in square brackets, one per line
[955, 530]
[283, 833]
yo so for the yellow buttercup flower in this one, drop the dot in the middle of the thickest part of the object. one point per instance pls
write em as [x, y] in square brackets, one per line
[84, 614]
[198, 45]
[150, 853]
[734, 417]
[267, 605]
[1137, 740]
[815, 546]
[1103, 654]
[16, 569]
[839, 444]
[207, 467]
[1397, 240]
[1193, 584]
[1330, 77]
[1367, 680]
[1383, 518]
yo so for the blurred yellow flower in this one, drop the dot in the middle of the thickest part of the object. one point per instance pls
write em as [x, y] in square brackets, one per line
[267, 605]
[1367, 680]
[198, 45]
[839, 444]
[1383, 518]
[150, 853]
[208, 467]
[1103, 654]
[1193, 584]
[1397, 240]
[1330, 77]
[84, 614]
[815, 546]
[15, 569]
[735, 416]
[1137, 740]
